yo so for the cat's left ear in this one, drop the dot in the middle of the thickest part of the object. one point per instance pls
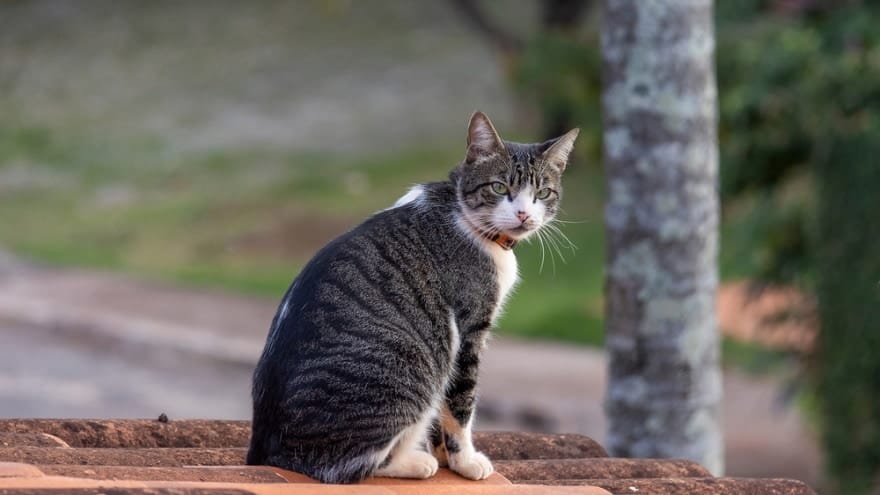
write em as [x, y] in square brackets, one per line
[482, 138]
[558, 150]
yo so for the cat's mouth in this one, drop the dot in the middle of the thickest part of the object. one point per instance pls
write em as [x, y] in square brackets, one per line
[521, 231]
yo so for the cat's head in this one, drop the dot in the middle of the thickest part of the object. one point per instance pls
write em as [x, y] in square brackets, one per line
[508, 188]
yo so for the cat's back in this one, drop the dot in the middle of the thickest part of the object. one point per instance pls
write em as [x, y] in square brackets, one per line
[388, 270]
[402, 239]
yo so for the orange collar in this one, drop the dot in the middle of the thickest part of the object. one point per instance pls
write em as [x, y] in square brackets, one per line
[507, 243]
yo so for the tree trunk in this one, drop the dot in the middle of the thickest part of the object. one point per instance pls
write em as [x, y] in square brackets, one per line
[661, 157]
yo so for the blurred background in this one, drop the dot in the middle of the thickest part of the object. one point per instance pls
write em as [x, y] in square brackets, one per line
[167, 167]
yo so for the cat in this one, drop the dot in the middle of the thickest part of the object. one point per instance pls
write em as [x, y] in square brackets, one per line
[370, 365]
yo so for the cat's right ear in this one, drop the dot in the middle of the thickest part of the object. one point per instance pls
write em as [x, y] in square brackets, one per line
[483, 139]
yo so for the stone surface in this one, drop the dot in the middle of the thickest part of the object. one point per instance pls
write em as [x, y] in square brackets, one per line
[694, 486]
[518, 445]
[230, 474]
[220, 474]
[152, 457]
[191, 490]
[8, 439]
[56, 486]
[443, 477]
[140, 433]
[601, 468]
[135, 433]
[18, 470]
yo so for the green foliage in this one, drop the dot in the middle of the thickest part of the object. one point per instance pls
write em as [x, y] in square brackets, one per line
[560, 75]
[848, 265]
[800, 104]
[786, 86]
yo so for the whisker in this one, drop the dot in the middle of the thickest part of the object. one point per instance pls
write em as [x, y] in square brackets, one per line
[555, 244]
[550, 249]
[561, 242]
[560, 233]
[541, 242]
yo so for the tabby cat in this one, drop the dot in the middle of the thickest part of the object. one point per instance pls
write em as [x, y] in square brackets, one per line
[370, 366]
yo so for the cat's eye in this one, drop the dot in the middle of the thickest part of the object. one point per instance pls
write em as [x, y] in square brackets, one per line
[544, 193]
[499, 189]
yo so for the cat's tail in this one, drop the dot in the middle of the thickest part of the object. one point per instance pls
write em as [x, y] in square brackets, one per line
[261, 446]
[266, 450]
[344, 471]
[266, 421]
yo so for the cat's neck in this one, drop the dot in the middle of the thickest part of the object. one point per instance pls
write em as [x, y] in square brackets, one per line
[504, 241]
[443, 196]
[506, 269]
[445, 193]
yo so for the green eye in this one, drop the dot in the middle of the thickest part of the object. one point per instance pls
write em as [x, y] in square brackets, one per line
[499, 189]
[544, 193]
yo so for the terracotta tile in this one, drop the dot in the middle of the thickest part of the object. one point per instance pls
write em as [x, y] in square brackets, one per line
[154, 457]
[443, 477]
[205, 457]
[141, 433]
[509, 445]
[30, 440]
[599, 469]
[220, 474]
[693, 486]
[18, 470]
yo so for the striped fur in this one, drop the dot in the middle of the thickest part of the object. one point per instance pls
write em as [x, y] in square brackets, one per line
[377, 341]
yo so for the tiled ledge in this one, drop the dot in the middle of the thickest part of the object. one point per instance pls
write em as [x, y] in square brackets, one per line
[205, 457]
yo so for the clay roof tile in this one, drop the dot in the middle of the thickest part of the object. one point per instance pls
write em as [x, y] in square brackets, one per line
[205, 457]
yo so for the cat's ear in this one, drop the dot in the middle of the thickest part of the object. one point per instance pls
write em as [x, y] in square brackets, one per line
[558, 150]
[483, 139]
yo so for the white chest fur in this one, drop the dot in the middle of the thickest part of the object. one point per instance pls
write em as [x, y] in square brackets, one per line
[506, 271]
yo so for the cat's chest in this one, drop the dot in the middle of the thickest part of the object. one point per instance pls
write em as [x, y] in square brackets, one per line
[506, 275]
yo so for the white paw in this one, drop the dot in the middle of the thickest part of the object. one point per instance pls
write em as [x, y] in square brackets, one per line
[415, 464]
[425, 465]
[441, 455]
[475, 467]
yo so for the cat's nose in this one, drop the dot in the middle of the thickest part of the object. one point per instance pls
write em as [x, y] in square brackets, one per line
[522, 216]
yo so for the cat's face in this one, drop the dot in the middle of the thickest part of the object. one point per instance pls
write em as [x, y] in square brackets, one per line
[510, 188]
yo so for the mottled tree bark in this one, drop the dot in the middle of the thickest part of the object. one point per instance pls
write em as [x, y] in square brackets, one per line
[661, 158]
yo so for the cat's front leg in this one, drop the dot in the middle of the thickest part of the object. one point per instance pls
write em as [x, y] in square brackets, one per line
[460, 453]
[457, 416]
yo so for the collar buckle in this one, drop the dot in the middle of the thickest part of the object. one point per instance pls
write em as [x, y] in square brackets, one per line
[507, 243]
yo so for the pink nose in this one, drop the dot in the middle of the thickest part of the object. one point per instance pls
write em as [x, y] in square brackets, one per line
[522, 216]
